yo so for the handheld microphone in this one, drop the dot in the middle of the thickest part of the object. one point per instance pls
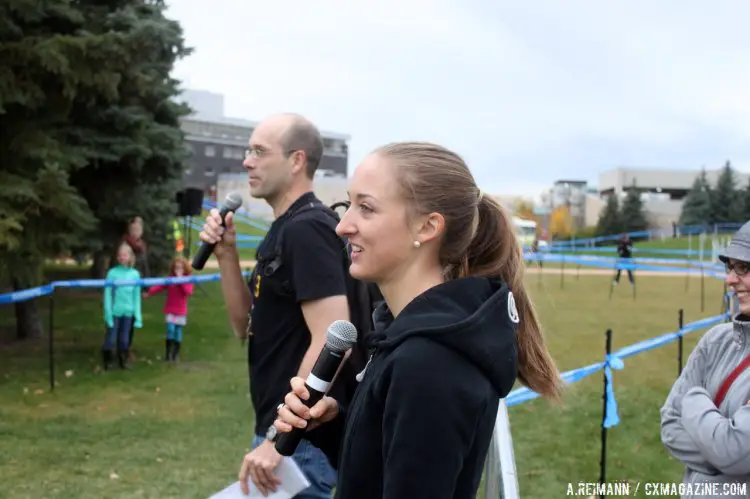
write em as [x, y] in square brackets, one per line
[232, 202]
[342, 335]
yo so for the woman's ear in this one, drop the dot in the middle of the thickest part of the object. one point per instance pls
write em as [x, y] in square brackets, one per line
[429, 228]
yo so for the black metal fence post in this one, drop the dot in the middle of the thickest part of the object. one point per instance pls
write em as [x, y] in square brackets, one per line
[603, 461]
[51, 342]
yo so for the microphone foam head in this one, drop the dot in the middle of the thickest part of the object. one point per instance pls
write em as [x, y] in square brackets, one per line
[342, 335]
[233, 200]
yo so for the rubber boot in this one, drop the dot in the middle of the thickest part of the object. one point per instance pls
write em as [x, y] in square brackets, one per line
[176, 351]
[107, 359]
[168, 350]
[122, 358]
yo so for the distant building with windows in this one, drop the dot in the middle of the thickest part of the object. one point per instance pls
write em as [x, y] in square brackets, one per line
[217, 143]
[662, 190]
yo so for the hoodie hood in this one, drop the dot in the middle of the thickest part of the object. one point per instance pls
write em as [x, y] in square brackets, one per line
[474, 316]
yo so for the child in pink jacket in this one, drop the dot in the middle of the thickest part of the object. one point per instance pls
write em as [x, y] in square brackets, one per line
[175, 308]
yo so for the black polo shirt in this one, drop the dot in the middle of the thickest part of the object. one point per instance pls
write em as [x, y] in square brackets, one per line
[311, 269]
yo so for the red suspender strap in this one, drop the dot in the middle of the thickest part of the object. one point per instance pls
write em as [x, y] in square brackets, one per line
[724, 388]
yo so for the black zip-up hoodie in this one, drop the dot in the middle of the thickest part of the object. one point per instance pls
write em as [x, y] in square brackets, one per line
[421, 420]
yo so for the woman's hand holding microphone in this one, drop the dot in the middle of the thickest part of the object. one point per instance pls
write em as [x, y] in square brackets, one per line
[294, 413]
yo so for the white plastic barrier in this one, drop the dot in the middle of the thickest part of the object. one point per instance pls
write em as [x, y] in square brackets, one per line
[500, 479]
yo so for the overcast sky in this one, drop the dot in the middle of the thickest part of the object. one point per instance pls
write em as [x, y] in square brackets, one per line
[527, 92]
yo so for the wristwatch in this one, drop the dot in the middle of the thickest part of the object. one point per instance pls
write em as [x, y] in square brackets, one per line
[271, 433]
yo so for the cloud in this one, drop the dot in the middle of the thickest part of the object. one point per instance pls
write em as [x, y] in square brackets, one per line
[527, 94]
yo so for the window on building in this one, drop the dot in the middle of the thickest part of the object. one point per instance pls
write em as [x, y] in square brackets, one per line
[227, 152]
[209, 172]
[210, 151]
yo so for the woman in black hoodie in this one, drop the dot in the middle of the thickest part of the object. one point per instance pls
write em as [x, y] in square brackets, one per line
[456, 329]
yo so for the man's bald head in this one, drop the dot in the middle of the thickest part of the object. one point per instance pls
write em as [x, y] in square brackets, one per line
[297, 133]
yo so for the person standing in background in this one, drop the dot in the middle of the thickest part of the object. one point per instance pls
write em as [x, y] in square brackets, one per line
[134, 238]
[122, 308]
[625, 250]
[175, 308]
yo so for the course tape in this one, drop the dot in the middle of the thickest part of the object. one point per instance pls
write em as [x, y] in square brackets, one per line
[620, 263]
[587, 260]
[47, 289]
[719, 228]
[242, 215]
[597, 258]
[615, 361]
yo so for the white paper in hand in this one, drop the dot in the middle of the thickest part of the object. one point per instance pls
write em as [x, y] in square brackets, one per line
[293, 481]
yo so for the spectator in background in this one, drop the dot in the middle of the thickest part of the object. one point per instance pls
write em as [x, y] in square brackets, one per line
[705, 421]
[134, 238]
[122, 308]
[175, 308]
[625, 250]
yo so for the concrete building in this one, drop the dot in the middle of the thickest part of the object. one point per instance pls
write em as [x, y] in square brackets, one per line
[217, 143]
[663, 191]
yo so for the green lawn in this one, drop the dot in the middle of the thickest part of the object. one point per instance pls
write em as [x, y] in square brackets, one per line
[180, 431]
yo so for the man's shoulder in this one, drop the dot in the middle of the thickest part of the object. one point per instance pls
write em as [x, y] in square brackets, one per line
[309, 223]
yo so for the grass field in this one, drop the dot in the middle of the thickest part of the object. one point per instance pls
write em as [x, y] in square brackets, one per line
[162, 431]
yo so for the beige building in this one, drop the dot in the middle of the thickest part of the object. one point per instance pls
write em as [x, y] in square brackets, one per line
[664, 191]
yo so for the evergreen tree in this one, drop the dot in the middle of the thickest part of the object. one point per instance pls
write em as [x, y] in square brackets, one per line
[744, 196]
[48, 58]
[87, 124]
[632, 215]
[725, 202]
[135, 138]
[610, 221]
[696, 209]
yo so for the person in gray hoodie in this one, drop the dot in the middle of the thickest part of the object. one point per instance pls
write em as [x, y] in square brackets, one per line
[705, 426]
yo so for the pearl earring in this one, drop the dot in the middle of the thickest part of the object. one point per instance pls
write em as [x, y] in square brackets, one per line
[417, 244]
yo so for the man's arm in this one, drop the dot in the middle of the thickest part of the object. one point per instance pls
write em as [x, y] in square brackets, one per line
[319, 314]
[236, 293]
[724, 442]
[315, 257]
[676, 440]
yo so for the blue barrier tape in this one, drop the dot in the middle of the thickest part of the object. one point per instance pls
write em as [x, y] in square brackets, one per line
[612, 362]
[47, 289]
[614, 264]
[612, 260]
[244, 216]
[658, 233]
[198, 227]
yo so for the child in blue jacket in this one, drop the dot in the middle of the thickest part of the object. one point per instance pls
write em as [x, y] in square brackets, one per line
[122, 307]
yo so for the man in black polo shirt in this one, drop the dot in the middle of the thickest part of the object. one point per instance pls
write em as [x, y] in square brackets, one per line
[297, 289]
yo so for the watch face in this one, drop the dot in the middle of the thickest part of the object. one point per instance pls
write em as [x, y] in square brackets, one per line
[271, 433]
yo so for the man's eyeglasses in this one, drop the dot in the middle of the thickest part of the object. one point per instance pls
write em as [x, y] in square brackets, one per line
[254, 153]
[740, 268]
[259, 153]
